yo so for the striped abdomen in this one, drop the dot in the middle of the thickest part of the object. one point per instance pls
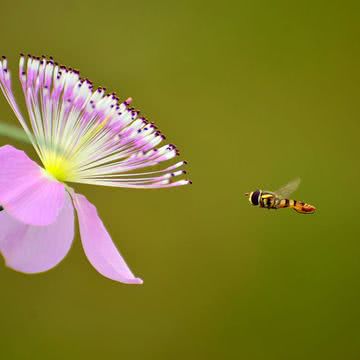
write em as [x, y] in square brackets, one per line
[298, 206]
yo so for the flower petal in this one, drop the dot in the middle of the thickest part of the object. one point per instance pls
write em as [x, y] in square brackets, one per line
[26, 192]
[98, 246]
[33, 249]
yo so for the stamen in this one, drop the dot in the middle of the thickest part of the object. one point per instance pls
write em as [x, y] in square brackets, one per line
[85, 135]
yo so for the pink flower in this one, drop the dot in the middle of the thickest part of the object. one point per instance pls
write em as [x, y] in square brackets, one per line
[80, 136]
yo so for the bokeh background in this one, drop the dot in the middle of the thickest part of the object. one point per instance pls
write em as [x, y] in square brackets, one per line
[254, 94]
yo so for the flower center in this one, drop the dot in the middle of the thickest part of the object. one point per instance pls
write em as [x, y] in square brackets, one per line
[58, 166]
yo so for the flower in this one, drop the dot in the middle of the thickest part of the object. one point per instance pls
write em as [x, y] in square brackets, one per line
[81, 135]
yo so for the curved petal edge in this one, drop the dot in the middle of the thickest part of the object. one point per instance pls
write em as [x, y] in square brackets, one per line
[98, 245]
[33, 249]
[26, 192]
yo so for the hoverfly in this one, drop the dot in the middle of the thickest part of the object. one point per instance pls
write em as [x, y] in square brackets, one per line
[280, 199]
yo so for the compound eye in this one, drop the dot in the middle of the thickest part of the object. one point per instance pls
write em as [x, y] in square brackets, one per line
[255, 197]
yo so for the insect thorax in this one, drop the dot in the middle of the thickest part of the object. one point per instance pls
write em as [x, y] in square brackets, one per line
[268, 200]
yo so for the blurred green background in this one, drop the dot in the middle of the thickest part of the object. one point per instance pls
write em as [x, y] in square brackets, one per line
[254, 94]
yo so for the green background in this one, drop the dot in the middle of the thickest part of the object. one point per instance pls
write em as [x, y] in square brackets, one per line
[254, 93]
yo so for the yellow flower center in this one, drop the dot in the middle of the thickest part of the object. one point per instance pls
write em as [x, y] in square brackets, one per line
[58, 166]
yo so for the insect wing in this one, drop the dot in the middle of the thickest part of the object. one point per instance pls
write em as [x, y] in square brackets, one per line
[288, 189]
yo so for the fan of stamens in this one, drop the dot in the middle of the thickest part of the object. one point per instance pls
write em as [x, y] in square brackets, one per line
[87, 136]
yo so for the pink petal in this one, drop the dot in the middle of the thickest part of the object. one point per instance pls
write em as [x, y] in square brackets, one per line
[98, 246]
[33, 249]
[26, 192]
